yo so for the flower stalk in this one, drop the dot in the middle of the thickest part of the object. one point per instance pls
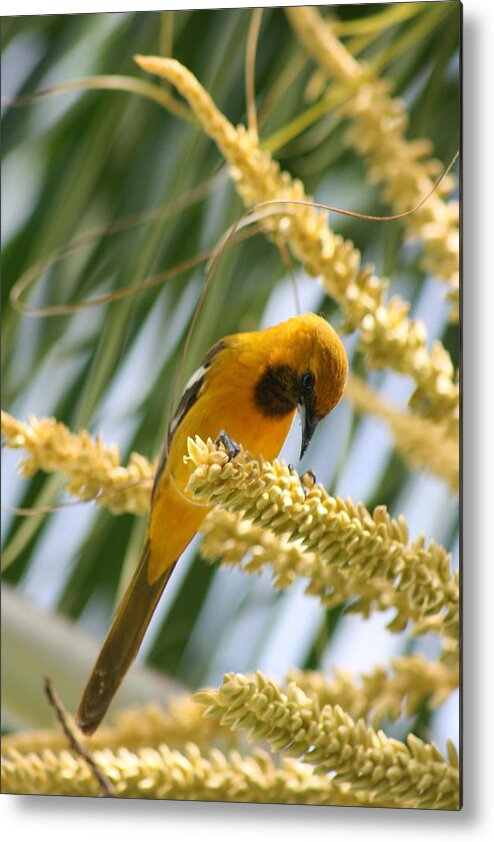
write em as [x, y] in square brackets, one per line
[378, 124]
[370, 551]
[93, 470]
[135, 728]
[421, 442]
[187, 775]
[411, 774]
[394, 691]
[345, 552]
[387, 336]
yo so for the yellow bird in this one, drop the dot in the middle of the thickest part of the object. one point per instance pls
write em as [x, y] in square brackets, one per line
[246, 390]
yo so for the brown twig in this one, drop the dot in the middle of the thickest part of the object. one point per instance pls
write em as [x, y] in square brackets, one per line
[107, 790]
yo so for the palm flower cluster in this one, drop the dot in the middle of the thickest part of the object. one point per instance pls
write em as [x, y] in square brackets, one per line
[369, 552]
[187, 775]
[266, 515]
[412, 774]
[388, 337]
[390, 691]
[92, 469]
[421, 442]
[181, 722]
[271, 516]
[155, 753]
[378, 123]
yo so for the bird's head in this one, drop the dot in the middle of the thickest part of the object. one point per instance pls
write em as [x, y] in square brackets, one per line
[305, 368]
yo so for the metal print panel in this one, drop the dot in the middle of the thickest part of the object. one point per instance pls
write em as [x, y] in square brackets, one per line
[231, 405]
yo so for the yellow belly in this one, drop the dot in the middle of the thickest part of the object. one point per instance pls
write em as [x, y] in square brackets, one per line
[174, 521]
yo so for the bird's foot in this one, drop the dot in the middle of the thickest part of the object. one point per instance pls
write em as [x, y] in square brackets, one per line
[229, 444]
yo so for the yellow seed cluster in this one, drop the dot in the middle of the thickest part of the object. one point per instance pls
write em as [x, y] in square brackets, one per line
[411, 774]
[231, 539]
[408, 683]
[92, 468]
[422, 443]
[388, 337]
[167, 773]
[343, 551]
[377, 131]
[367, 549]
[137, 727]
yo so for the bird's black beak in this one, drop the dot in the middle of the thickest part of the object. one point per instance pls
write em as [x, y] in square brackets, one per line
[309, 423]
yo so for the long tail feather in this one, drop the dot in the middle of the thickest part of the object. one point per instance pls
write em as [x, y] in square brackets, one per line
[121, 645]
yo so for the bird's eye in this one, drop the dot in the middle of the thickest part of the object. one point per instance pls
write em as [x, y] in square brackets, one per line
[307, 381]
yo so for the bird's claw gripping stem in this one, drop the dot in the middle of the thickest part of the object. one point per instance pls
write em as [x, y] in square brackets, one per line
[230, 444]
